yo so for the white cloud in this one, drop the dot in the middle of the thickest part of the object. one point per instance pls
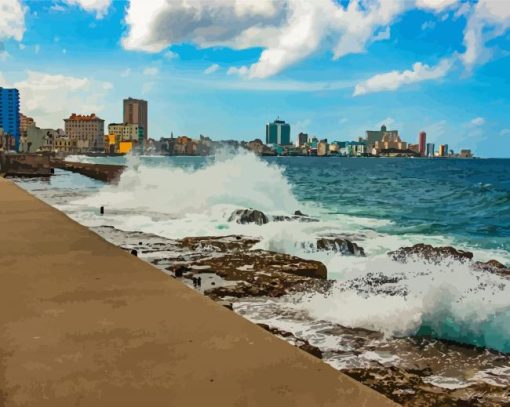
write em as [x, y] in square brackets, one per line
[100, 7]
[504, 132]
[171, 55]
[428, 25]
[12, 19]
[4, 56]
[125, 73]
[288, 31]
[436, 5]
[478, 121]
[50, 98]
[151, 71]
[21, 46]
[395, 79]
[213, 68]
[488, 20]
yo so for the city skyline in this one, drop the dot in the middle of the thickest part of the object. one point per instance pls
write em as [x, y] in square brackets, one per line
[437, 66]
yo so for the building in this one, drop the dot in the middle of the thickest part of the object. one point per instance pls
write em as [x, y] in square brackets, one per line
[443, 150]
[136, 112]
[9, 118]
[422, 142]
[38, 139]
[125, 131]
[278, 133]
[302, 139]
[323, 148]
[25, 123]
[430, 150]
[86, 133]
[465, 154]
[390, 141]
[372, 136]
[415, 148]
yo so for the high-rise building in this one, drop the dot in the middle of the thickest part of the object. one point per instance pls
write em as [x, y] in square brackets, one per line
[86, 133]
[443, 150]
[422, 141]
[136, 112]
[323, 148]
[430, 150]
[302, 139]
[377, 135]
[278, 133]
[9, 117]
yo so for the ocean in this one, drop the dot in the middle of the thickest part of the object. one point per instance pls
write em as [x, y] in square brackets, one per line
[381, 204]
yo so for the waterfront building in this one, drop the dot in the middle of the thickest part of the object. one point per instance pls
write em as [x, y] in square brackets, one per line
[465, 154]
[372, 136]
[430, 149]
[125, 131]
[422, 141]
[9, 118]
[86, 132]
[278, 133]
[38, 139]
[415, 148]
[25, 123]
[443, 150]
[136, 112]
[302, 139]
[390, 141]
[322, 148]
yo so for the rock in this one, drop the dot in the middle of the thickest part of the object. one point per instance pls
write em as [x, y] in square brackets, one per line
[244, 216]
[312, 350]
[340, 245]
[493, 266]
[226, 304]
[430, 253]
[299, 213]
[298, 216]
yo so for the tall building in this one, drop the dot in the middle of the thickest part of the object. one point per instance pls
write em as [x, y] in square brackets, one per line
[278, 132]
[86, 133]
[9, 117]
[25, 123]
[302, 139]
[422, 141]
[323, 148]
[430, 150]
[390, 140]
[136, 112]
[372, 136]
[443, 150]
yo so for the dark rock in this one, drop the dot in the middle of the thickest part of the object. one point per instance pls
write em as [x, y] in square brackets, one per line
[134, 252]
[340, 245]
[312, 350]
[295, 217]
[299, 213]
[244, 216]
[430, 253]
[493, 266]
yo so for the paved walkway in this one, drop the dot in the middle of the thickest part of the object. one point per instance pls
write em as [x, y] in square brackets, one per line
[82, 323]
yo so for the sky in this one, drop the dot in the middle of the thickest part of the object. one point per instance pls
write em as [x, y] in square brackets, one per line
[224, 68]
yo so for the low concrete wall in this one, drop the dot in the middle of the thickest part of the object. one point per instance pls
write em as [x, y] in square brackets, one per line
[27, 165]
[101, 172]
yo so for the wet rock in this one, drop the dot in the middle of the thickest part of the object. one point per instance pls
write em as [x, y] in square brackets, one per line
[409, 389]
[298, 218]
[493, 266]
[340, 245]
[244, 216]
[430, 253]
[300, 343]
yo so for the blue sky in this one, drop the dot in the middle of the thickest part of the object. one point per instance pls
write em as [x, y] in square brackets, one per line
[224, 68]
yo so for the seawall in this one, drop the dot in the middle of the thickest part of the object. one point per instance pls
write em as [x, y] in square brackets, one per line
[101, 172]
[83, 323]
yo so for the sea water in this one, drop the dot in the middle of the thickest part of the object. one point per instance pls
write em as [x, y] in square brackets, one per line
[381, 204]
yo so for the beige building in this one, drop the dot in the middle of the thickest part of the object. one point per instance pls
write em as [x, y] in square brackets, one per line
[390, 140]
[86, 133]
[372, 136]
[323, 148]
[25, 123]
[136, 112]
[124, 131]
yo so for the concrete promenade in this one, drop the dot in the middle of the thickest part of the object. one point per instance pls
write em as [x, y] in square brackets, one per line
[83, 323]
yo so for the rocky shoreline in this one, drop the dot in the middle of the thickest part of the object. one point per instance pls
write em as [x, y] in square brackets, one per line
[233, 272]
